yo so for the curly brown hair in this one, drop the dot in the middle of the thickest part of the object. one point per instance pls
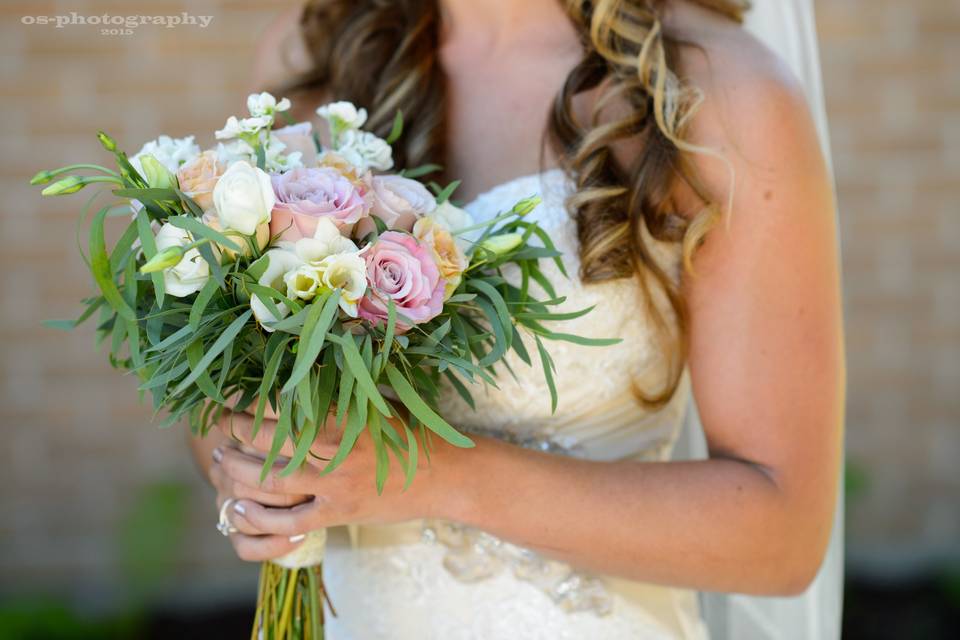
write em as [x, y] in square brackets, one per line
[627, 55]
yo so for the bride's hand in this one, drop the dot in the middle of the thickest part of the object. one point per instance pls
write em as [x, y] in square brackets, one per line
[272, 516]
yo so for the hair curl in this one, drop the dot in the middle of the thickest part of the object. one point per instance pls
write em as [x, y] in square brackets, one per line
[383, 54]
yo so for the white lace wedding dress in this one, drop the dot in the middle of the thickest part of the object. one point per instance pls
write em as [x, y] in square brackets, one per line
[435, 580]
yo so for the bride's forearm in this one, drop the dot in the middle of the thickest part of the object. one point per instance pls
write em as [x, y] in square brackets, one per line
[719, 524]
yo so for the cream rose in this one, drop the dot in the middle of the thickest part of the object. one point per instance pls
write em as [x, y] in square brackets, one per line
[453, 219]
[198, 177]
[243, 198]
[192, 272]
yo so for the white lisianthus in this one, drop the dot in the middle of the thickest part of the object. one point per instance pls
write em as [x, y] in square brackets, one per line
[343, 115]
[192, 272]
[275, 160]
[453, 219]
[170, 152]
[235, 128]
[302, 282]
[264, 104]
[243, 198]
[326, 241]
[365, 151]
[280, 262]
[347, 272]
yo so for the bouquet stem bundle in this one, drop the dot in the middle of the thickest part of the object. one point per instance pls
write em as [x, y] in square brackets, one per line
[289, 604]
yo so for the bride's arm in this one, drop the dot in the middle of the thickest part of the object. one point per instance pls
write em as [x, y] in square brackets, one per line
[767, 371]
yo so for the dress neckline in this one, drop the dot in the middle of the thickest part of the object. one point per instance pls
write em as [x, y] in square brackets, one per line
[497, 188]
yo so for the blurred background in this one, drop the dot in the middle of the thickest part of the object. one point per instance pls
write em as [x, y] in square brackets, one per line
[106, 530]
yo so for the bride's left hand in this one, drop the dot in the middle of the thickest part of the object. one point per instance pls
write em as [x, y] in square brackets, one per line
[347, 495]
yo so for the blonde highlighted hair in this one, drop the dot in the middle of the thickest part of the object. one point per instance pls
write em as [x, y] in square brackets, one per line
[383, 54]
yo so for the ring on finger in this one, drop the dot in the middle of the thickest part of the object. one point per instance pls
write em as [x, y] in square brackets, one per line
[223, 524]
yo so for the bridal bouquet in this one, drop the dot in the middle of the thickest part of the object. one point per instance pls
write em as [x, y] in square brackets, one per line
[275, 271]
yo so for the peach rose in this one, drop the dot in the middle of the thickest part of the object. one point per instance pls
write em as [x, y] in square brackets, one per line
[198, 177]
[450, 258]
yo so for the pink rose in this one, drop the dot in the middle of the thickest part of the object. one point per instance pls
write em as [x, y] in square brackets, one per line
[299, 137]
[307, 194]
[399, 202]
[401, 269]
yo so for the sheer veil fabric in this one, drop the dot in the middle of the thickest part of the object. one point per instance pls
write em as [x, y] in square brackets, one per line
[788, 28]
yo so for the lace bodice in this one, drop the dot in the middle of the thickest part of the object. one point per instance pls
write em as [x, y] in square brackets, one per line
[441, 580]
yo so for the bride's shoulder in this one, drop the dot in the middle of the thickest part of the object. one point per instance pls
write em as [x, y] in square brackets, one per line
[753, 113]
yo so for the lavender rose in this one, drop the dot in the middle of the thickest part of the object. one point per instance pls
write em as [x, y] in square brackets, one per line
[305, 195]
[399, 202]
[401, 269]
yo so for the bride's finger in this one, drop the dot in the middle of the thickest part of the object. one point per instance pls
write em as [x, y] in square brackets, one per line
[246, 470]
[240, 427]
[235, 489]
[260, 548]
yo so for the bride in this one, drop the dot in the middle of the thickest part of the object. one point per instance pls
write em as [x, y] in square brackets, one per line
[682, 176]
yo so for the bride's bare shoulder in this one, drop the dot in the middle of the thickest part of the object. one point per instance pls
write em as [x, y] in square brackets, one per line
[754, 111]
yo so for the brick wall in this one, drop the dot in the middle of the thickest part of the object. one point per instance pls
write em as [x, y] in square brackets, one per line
[78, 449]
[893, 96]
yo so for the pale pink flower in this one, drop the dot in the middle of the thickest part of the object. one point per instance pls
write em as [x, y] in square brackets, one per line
[307, 194]
[401, 269]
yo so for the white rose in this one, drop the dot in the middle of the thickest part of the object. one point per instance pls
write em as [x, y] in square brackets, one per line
[243, 198]
[347, 272]
[264, 104]
[302, 282]
[453, 218]
[365, 151]
[343, 115]
[170, 152]
[279, 263]
[326, 241]
[192, 272]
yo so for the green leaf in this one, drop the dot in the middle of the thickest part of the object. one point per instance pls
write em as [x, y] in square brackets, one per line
[494, 296]
[319, 318]
[500, 336]
[379, 450]
[422, 170]
[412, 456]
[447, 191]
[274, 356]
[204, 381]
[280, 435]
[354, 362]
[355, 425]
[397, 130]
[412, 401]
[586, 342]
[200, 230]
[460, 388]
[200, 304]
[149, 244]
[547, 363]
[216, 349]
[102, 272]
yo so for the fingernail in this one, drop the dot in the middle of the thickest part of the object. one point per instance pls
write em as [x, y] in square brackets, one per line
[217, 454]
[298, 537]
[239, 508]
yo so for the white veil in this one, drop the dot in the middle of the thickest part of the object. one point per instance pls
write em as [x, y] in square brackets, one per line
[788, 28]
